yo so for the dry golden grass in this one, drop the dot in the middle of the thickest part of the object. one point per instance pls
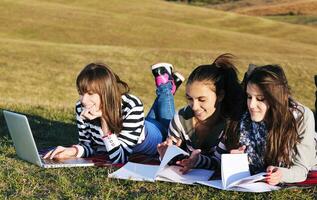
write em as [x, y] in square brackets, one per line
[44, 44]
[269, 7]
[302, 7]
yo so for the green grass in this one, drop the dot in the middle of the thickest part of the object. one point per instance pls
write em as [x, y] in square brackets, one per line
[23, 180]
[44, 44]
[296, 19]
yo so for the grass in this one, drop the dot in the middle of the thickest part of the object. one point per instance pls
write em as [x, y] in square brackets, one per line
[296, 19]
[28, 181]
[295, 12]
[44, 44]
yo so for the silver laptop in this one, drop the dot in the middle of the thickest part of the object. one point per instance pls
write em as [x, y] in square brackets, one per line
[26, 149]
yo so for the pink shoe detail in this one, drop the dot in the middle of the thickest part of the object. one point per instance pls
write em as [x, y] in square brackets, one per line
[161, 79]
[173, 87]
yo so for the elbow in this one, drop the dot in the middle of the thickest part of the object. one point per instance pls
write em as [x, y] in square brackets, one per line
[299, 178]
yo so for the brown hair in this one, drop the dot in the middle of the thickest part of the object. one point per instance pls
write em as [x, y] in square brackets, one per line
[223, 75]
[282, 126]
[99, 78]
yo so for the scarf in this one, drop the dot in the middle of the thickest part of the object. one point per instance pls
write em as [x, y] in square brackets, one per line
[253, 136]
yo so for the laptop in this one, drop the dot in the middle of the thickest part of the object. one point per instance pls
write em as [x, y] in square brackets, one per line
[26, 149]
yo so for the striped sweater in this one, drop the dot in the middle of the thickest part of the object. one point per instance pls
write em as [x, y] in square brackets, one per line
[181, 127]
[117, 146]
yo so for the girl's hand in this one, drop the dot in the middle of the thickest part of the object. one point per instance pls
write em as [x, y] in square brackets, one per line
[274, 175]
[190, 162]
[90, 113]
[61, 153]
[239, 150]
[161, 148]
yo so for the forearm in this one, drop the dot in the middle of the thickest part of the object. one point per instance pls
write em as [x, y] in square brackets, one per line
[293, 174]
[105, 128]
[85, 141]
[204, 162]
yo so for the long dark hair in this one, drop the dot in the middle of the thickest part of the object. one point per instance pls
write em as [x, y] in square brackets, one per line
[282, 126]
[223, 75]
[281, 123]
[99, 78]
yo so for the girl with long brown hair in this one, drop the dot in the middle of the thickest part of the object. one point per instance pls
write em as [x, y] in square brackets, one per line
[111, 121]
[276, 132]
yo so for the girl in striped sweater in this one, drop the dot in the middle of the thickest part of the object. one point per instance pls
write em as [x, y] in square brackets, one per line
[111, 121]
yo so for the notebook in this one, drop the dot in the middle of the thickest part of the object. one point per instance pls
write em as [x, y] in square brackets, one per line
[26, 149]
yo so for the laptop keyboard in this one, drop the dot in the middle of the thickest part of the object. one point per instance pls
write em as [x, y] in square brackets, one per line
[49, 161]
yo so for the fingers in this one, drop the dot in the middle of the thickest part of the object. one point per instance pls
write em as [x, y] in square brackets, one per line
[195, 154]
[84, 113]
[184, 170]
[161, 149]
[173, 140]
[53, 153]
[48, 154]
[169, 141]
[87, 115]
[239, 150]
[274, 175]
[270, 169]
[235, 151]
[189, 163]
[179, 142]
[186, 165]
[90, 113]
[57, 151]
[242, 149]
[95, 112]
[273, 180]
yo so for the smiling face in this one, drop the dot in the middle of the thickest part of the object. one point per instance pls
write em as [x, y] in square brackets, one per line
[90, 100]
[202, 99]
[257, 104]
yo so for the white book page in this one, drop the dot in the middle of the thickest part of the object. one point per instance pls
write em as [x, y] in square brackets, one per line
[170, 153]
[250, 187]
[142, 172]
[136, 171]
[173, 174]
[255, 187]
[233, 167]
[249, 179]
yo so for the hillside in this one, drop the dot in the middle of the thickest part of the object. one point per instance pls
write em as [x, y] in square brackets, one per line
[269, 7]
[51, 40]
[291, 11]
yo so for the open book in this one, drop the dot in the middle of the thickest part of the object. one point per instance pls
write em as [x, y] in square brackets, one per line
[162, 172]
[235, 175]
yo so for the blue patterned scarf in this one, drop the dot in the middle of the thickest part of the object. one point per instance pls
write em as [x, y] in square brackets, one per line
[253, 136]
